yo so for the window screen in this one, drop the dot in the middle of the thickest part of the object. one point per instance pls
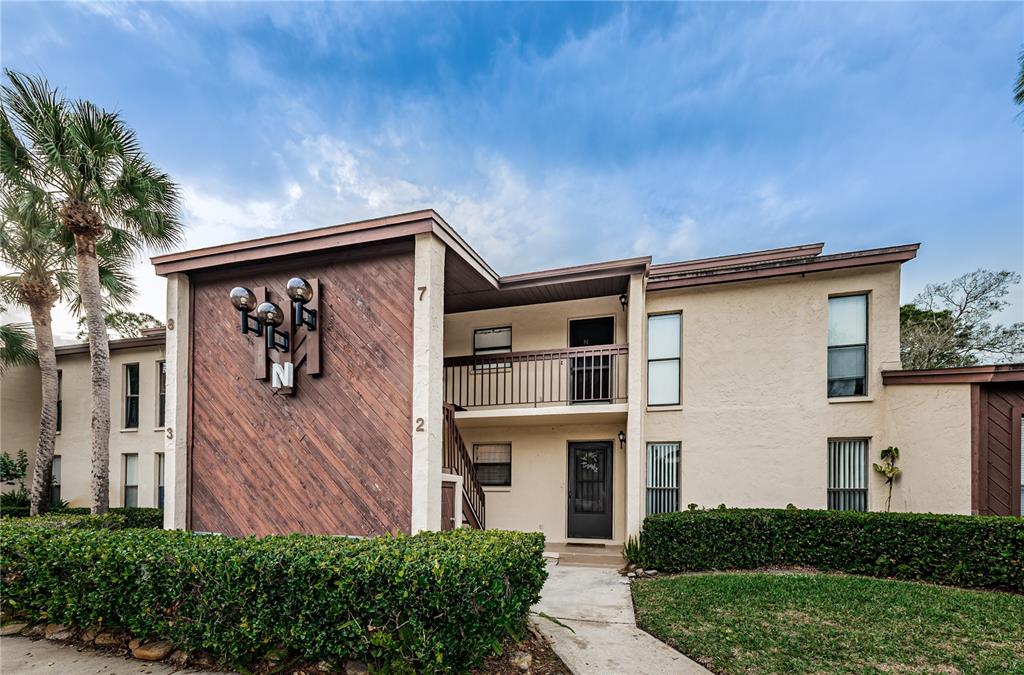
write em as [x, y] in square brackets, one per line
[662, 477]
[848, 475]
[493, 463]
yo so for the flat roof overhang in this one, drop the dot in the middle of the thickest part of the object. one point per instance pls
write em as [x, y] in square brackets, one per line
[1006, 372]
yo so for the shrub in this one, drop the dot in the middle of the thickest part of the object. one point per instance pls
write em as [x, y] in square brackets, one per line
[969, 551]
[133, 516]
[437, 601]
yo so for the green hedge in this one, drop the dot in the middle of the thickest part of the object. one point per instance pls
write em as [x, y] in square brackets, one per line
[438, 601]
[134, 516]
[969, 551]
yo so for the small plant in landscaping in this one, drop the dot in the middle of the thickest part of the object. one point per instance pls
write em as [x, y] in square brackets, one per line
[14, 469]
[631, 550]
[889, 469]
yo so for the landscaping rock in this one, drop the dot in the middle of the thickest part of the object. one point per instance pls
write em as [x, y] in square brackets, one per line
[639, 572]
[134, 644]
[36, 631]
[89, 634]
[153, 651]
[203, 661]
[12, 628]
[108, 640]
[178, 657]
[356, 668]
[52, 628]
[631, 575]
[652, 573]
[58, 632]
[522, 661]
[327, 667]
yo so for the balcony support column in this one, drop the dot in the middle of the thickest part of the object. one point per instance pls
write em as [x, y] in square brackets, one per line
[427, 423]
[635, 446]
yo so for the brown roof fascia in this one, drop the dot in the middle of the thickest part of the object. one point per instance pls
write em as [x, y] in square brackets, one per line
[1009, 372]
[562, 275]
[152, 340]
[785, 253]
[780, 268]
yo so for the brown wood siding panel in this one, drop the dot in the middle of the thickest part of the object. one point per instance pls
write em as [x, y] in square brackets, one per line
[335, 458]
[997, 414]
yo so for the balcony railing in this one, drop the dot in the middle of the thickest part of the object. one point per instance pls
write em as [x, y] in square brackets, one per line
[456, 459]
[573, 375]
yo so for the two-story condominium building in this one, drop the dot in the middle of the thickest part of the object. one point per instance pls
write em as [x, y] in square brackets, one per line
[137, 413]
[406, 386]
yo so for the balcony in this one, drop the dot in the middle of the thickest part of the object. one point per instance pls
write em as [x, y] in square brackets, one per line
[591, 380]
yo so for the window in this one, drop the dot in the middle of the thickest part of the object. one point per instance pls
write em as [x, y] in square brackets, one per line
[131, 396]
[60, 393]
[662, 477]
[663, 359]
[159, 480]
[161, 389]
[131, 480]
[848, 474]
[55, 482]
[493, 463]
[489, 341]
[847, 345]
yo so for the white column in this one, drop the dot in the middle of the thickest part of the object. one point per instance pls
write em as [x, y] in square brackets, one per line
[635, 447]
[427, 383]
[176, 413]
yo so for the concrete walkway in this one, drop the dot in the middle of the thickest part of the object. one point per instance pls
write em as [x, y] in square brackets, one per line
[22, 656]
[596, 604]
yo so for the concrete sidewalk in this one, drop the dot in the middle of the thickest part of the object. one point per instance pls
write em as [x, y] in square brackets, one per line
[596, 604]
[22, 656]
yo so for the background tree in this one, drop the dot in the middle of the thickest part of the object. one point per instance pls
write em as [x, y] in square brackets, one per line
[950, 325]
[123, 324]
[1018, 89]
[104, 191]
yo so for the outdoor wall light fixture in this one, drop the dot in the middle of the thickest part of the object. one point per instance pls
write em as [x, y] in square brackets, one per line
[623, 300]
[622, 438]
[272, 317]
[244, 301]
[301, 292]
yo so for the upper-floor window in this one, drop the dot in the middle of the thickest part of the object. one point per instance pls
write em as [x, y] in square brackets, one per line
[492, 341]
[847, 345]
[161, 379]
[60, 395]
[131, 396]
[663, 349]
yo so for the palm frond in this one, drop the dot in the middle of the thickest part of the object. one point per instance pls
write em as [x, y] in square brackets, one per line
[16, 345]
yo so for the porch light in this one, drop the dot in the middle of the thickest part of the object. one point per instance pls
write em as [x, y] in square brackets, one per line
[622, 438]
[301, 292]
[623, 300]
[244, 301]
[272, 317]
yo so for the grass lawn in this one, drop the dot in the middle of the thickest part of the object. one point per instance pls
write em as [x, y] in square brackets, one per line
[749, 622]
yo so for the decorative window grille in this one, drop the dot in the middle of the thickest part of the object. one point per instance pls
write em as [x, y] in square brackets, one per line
[848, 474]
[662, 477]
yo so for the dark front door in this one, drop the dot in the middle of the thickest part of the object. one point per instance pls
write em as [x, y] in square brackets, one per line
[590, 377]
[590, 490]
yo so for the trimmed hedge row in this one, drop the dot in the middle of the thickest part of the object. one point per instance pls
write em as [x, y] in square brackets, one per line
[968, 551]
[437, 601]
[134, 516]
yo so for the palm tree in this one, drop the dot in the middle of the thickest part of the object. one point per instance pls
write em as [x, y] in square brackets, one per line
[16, 346]
[105, 192]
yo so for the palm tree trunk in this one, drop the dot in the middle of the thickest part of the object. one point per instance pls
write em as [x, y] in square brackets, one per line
[99, 355]
[43, 471]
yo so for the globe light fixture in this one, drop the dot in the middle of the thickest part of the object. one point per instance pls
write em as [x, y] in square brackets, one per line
[301, 293]
[244, 301]
[271, 316]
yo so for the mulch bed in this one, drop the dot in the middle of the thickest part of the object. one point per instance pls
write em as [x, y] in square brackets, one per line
[544, 660]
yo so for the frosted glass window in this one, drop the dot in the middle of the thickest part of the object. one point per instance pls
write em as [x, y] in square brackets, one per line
[847, 320]
[492, 340]
[663, 362]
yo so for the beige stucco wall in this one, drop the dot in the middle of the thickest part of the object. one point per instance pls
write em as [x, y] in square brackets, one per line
[21, 400]
[755, 420]
[538, 498]
[931, 425]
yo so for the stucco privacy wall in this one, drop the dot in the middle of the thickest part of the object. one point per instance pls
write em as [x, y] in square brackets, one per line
[931, 425]
[755, 420]
[537, 501]
[21, 408]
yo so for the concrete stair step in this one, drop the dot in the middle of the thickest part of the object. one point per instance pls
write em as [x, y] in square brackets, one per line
[587, 556]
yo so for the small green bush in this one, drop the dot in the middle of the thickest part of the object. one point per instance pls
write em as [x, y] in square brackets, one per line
[968, 551]
[439, 602]
[134, 516]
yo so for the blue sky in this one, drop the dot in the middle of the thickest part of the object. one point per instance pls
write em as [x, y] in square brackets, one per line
[554, 134]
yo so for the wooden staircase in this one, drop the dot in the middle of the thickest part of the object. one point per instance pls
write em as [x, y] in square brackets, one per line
[456, 461]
